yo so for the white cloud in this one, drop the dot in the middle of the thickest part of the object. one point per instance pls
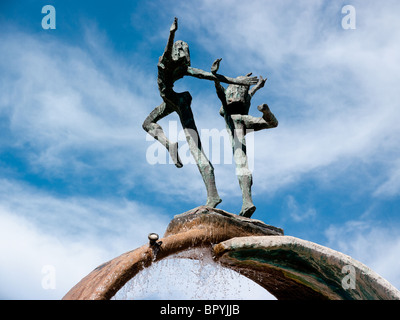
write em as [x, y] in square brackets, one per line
[26, 250]
[73, 234]
[299, 212]
[390, 187]
[72, 109]
[373, 243]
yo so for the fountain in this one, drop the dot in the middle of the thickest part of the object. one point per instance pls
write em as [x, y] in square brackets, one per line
[285, 266]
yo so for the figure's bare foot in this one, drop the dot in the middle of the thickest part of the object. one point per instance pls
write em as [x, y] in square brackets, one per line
[173, 151]
[263, 108]
[268, 115]
[247, 210]
[213, 202]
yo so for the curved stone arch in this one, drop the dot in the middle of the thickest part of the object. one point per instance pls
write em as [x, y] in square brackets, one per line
[289, 268]
[296, 269]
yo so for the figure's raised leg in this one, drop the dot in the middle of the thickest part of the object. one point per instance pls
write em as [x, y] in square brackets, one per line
[155, 130]
[267, 121]
[192, 136]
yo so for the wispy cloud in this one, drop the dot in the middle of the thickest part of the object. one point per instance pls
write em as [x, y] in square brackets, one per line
[373, 243]
[73, 234]
[69, 110]
[391, 185]
[299, 213]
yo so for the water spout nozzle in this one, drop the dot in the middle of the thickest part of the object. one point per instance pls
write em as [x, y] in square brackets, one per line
[153, 237]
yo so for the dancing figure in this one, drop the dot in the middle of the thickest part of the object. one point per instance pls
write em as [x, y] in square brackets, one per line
[235, 107]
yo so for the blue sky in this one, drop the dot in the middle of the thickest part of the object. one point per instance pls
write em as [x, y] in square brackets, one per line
[76, 188]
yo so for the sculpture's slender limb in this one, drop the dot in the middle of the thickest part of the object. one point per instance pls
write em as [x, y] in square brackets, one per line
[221, 94]
[156, 131]
[236, 132]
[192, 136]
[268, 116]
[258, 86]
[201, 74]
[170, 42]
[267, 121]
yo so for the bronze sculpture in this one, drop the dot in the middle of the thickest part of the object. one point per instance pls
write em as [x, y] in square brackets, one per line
[173, 65]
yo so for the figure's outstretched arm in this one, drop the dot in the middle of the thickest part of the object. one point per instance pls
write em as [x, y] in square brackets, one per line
[201, 74]
[258, 86]
[170, 43]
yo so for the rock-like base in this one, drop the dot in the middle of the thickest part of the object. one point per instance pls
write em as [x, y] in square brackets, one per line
[220, 224]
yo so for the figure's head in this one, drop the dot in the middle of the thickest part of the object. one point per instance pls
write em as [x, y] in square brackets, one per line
[180, 52]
